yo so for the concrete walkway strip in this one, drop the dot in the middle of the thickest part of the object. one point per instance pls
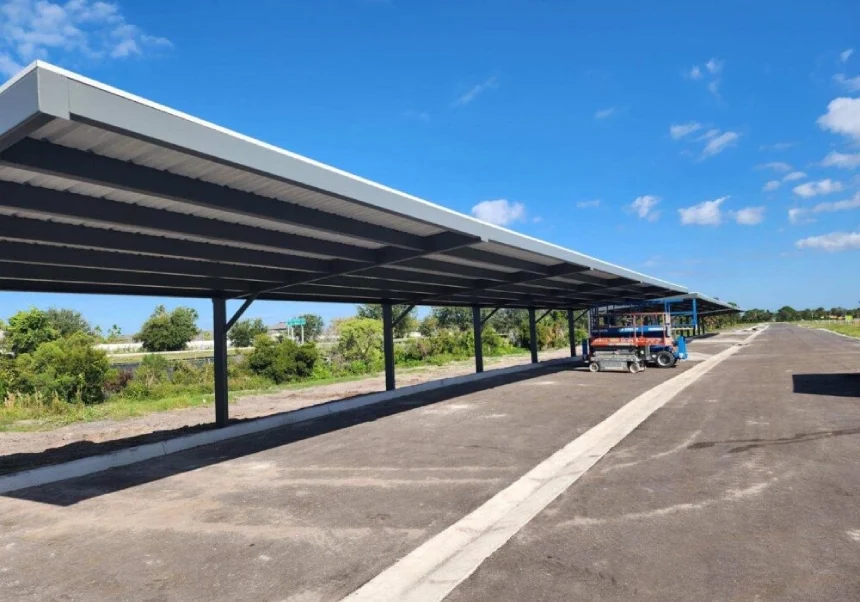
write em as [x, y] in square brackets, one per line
[123, 457]
[434, 569]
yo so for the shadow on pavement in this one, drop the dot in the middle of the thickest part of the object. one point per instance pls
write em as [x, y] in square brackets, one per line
[837, 385]
[72, 491]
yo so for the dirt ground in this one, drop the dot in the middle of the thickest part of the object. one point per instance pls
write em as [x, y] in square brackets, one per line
[175, 422]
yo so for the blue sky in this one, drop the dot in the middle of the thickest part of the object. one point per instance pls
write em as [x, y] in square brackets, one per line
[718, 148]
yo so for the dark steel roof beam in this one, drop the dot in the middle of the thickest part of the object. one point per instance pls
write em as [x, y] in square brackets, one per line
[54, 203]
[489, 258]
[31, 253]
[513, 278]
[382, 257]
[20, 271]
[86, 167]
[45, 286]
[446, 268]
[41, 231]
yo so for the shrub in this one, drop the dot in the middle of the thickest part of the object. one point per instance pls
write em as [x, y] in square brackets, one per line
[68, 321]
[282, 361]
[493, 343]
[360, 339]
[186, 373]
[27, 330]
[116, 381]
[416, 350]
[7, 375]
[244, 332]
[69, 368]
[168, 331]
[407, 324]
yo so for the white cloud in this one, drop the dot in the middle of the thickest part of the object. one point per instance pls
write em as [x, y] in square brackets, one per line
[852, 84]
[712, 70]
[833, 242]
[795, 175]
[772, 185]
[8, 65]
[749, 216]
[829, 207]
[846, 54]
[476, 91]
[500, 212]
[720, 143]
[604, 113]
[680, 130]
[780, 166]
[776, 146]
[798, 216]
[843, 160]
[842, 117]
[588, 204]
[644, 207]
[712, 133]
[714, 66]
[811, 189]
[706, 213]
[76, 29]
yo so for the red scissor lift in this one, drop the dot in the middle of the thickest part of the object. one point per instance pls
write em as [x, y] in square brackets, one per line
[628, 341]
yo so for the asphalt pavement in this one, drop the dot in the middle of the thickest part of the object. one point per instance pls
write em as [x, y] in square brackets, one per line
[744, 486]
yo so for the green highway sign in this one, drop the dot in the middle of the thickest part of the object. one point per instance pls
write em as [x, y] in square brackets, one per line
[296, 322]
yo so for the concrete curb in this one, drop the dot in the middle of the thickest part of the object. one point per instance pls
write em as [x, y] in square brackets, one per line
[93, 464]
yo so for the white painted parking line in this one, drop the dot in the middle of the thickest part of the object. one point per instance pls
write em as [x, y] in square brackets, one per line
[434, 569]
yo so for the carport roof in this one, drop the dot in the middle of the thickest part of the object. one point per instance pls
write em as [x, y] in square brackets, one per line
[105, 192]
[705, 305]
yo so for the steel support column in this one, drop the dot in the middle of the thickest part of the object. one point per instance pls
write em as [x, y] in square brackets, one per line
[571, 332]
[388, 344]
[219, 334]
[696, 328]
[478, 326]
[533, 335]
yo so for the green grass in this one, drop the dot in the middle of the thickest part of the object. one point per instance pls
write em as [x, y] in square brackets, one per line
[38, 416]
[22, 414]
[852, 329]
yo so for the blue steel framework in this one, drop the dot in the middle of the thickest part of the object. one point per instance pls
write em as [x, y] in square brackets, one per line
[692, 305]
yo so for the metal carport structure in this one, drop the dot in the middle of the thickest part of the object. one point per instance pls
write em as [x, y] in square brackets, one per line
[696, 306]
[105, 192]
[693, 306]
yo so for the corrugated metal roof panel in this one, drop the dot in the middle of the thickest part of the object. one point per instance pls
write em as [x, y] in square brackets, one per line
[109, 144]
[507, 251]
[148, 231]
[20, 176]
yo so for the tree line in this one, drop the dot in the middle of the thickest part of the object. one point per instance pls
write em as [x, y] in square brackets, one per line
[790, 314]
[51, 357]
[52, 354]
